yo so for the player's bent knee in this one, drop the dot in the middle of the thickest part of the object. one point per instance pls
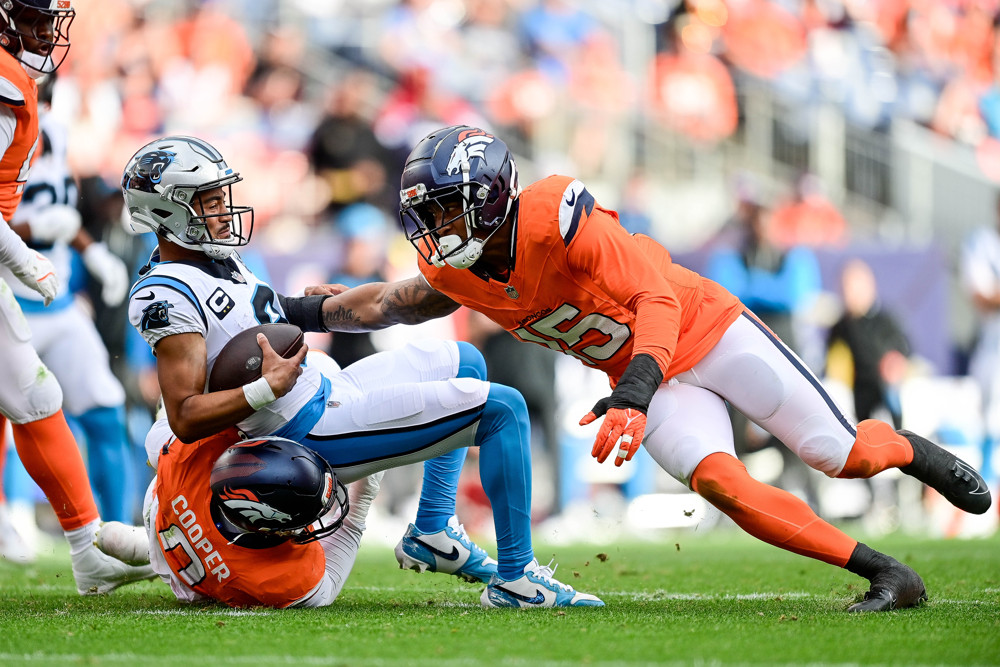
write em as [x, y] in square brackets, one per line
[43, 398]
[824, 453]
[716, 478]
[508, 399]
[505, 408]
[471, 363]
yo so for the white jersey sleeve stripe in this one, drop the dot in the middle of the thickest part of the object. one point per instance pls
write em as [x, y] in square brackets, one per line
[10, 94]
[576, 201]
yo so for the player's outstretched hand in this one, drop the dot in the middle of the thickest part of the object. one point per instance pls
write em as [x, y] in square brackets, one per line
[281, 373]
[331, 289]
[623, 428]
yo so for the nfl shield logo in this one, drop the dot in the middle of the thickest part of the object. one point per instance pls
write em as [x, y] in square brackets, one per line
[511, 292]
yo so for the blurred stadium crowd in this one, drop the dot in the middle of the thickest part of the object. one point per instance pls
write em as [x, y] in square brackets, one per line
[755, 127]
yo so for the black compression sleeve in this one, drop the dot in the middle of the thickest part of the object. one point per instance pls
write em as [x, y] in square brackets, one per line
[638, 383]
[305, 312]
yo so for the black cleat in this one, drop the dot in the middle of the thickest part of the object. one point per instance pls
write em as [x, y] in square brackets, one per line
[947, 474]
[895, 587]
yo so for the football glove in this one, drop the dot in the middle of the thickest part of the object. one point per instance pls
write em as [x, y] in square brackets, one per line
[624, 411]
[39, 275]
[55, 223]
[109, 270]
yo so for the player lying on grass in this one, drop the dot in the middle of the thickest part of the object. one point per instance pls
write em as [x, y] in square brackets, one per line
[554, 268]
[262, 522]
[429, 399]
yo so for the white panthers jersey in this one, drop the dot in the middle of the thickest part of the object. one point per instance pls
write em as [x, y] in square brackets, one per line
[217, 299]
[49, 182]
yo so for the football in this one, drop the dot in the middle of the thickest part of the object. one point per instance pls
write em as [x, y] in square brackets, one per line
[239, 362]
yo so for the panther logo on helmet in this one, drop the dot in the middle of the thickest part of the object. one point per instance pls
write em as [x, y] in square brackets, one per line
[247, 504]
[148, 170]
[471, 144]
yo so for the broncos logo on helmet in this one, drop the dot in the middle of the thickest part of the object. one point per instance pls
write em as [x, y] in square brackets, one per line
[148, 170]
[471, 144]
[247, 504]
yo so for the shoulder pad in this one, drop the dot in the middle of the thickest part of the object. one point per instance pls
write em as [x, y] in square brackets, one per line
[10, 94]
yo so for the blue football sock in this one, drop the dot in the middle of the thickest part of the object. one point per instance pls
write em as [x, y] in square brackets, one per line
[441, 474]
[504, 439]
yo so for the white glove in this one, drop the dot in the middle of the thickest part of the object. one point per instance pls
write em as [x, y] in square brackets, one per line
[109, 270]
[361, 494]
[55, 223]
[39, 275]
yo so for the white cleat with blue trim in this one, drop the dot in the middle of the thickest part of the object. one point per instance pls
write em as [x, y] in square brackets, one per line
[449, 550]
[537, 588]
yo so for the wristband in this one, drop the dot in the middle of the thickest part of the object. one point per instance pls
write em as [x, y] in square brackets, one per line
[258, 393]
[637, 384]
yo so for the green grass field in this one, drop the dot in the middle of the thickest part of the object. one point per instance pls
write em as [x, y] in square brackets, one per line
[715, 599]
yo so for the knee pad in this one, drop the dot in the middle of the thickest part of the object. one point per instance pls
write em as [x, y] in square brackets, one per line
[747, 397]
[503, 397]
[42, 398]
[505, 408]
[471, 363]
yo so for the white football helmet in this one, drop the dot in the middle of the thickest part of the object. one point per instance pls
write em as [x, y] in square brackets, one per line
[165, 178]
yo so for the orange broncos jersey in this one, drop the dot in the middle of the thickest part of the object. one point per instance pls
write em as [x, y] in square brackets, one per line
[584, 286]
[20, 94]
[202, 557]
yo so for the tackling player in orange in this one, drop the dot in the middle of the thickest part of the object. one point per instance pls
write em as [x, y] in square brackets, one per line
[553, 267]
[262, 522]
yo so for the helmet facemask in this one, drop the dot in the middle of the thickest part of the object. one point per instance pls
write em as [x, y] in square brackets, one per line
[36, 33]
[425, 214]
[198, 235]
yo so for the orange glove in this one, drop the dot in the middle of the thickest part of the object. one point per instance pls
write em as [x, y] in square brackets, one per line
[624, 410]
[622, 428]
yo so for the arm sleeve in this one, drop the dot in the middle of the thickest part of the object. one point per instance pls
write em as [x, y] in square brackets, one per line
[606, 253]
[14, 253]
[305, 312]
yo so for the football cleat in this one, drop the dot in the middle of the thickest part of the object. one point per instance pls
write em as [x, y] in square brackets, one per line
[895, 587]
[537, 588]
[947, 474]
[129, 544]
[97, 573]
[448, 550]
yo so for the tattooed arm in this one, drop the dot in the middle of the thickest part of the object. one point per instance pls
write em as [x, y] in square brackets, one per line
[379, 305]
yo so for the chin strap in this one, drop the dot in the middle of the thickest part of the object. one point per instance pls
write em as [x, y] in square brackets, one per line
[455, 252]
